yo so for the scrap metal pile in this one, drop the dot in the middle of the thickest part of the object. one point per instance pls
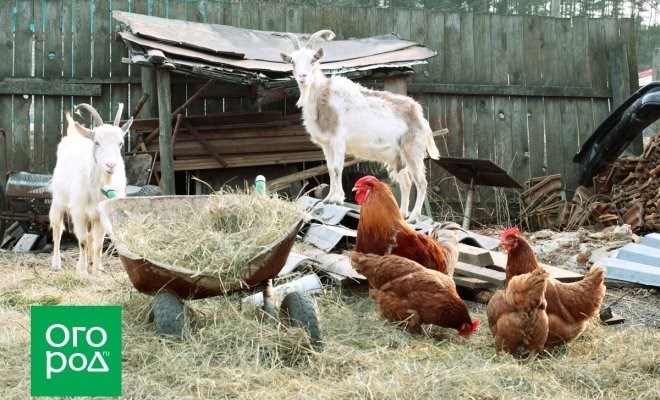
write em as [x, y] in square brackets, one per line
[626, 191]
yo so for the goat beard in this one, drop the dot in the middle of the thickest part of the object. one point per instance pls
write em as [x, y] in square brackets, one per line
[304, 95]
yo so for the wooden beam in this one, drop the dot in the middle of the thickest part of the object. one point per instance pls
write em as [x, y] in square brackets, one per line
[165, 127]
[508, 90]
[41, 86]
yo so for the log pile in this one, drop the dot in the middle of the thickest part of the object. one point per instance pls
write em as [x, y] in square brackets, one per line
[626, 191]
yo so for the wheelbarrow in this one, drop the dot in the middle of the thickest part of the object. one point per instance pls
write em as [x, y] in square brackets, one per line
[170, 285]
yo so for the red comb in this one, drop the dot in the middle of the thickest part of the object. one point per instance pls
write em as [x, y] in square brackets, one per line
[509, 232]
[475, 325]
[366, 178]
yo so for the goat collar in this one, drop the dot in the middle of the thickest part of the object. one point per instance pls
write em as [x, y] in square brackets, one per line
[109, 192]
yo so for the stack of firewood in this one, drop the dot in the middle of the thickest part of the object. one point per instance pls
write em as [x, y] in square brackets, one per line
[626, 191]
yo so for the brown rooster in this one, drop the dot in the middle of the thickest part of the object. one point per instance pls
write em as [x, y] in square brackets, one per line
[570, 305]
[516, 315]
[407, 292]
[381, 230]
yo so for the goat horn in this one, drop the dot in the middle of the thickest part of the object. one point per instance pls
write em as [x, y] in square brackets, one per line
[97, 120]
[324, 35]
[118, 116]
[294, 39]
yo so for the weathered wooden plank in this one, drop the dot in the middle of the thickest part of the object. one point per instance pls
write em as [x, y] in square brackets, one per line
[349, 28]
[508, 90]
[452, 47]
[474, 255]
[21, 147]
[118, 93]
[435, 34]
[485, 274]
[294, 19]
[101, 66]
[6, 54]
[569, 142]
[79, 64]
[532, 51]
[45, 86]
[597, 54]
[272, 16]
[418, 33]
[516, 165]
[484, 103]
[53, 67]
[472, 283]
[401, 18]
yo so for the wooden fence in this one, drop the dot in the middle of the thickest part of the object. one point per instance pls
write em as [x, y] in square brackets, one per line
[521, 91]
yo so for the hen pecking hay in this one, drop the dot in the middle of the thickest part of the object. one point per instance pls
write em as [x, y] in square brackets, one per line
[214, 235]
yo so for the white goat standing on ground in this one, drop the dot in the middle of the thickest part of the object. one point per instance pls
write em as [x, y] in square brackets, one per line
[342, 117]
[89, 169]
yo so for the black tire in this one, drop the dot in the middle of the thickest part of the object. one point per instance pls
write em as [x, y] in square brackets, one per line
[167, 314]
[297, 310]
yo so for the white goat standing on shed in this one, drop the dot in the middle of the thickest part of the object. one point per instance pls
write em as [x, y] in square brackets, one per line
[89, 169]
[343, 117]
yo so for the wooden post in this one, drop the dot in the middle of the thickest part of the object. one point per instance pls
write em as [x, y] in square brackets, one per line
[148, 80]
[165, 128]
[397, 84]
[467, 214]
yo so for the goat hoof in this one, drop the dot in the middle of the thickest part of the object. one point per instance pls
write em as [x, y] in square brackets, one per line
[56, 265]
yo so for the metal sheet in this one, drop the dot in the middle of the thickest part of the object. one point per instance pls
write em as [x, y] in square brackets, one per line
[483, 172]
[218, 48]
[233, 42]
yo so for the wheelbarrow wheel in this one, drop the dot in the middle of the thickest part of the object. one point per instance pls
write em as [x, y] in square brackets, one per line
[167, 314]
[297, 310]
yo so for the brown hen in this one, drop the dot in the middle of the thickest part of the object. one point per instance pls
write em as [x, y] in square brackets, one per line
[570, 305]
[516, 315]
[407, 292]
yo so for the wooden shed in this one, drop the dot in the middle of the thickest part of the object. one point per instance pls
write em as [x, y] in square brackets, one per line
[241, 63]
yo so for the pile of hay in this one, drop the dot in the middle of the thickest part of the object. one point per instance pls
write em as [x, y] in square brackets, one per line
[219, 238]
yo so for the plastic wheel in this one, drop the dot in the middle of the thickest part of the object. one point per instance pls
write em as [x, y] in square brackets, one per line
[167, 314]
[297, 310]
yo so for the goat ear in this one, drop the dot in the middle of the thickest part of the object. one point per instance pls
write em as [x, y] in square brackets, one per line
[285, 57]
[127, 126]
[88, 133]
[319, 54]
